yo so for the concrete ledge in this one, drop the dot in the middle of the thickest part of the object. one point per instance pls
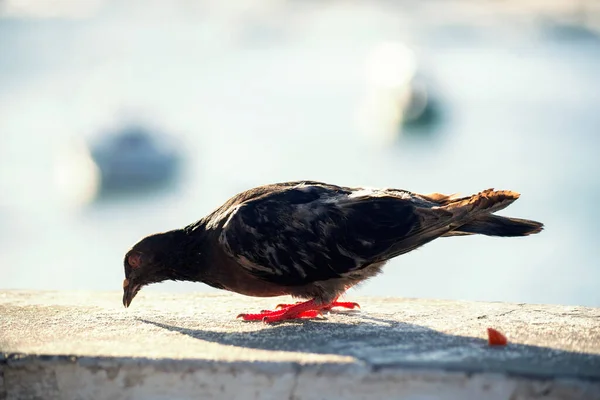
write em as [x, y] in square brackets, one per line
[84, 345]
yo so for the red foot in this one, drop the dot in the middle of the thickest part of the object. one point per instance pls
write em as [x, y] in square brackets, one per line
[342, 304]
[299, 310]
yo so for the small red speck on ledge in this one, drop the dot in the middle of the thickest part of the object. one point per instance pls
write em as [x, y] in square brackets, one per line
[496, 338]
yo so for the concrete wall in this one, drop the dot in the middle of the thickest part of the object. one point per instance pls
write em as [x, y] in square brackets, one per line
[85, 346]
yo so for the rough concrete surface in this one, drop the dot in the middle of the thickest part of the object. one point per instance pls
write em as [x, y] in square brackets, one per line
[85, 345]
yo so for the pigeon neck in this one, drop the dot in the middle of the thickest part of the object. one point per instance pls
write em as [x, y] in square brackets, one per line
[191, 256]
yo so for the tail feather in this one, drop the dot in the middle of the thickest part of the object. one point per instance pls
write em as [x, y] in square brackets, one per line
[495, 225]
[441, 199]
[489, 201]
[442, 215]
[476, 214]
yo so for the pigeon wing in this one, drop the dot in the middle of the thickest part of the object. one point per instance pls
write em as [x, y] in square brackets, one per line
[307, 233]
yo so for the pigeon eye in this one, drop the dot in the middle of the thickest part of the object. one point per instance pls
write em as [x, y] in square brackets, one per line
[134, 260]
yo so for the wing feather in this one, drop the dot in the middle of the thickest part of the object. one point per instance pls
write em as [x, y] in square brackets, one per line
[313, 232]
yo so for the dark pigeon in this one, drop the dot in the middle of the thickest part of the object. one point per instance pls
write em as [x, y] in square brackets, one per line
[310, 240]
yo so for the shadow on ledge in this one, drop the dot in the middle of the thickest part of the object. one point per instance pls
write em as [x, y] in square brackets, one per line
[384, 343]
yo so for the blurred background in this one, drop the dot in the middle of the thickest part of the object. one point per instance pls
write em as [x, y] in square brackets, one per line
[123, 118]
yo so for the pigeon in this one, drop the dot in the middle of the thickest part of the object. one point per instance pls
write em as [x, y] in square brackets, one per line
[310, 240]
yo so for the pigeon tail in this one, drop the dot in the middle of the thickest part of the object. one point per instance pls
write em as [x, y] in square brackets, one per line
[495, 225]
[483, 222]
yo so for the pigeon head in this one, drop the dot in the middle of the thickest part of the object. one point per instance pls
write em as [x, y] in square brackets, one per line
[153, 259]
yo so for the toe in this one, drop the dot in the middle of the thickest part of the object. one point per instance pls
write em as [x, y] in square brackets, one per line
[345, 304]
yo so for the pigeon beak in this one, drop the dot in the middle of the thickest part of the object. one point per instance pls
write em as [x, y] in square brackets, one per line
[129, 292]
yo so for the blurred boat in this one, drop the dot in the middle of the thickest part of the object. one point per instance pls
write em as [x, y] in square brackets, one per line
[135, 158]
[421, 107]
[401, 96]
